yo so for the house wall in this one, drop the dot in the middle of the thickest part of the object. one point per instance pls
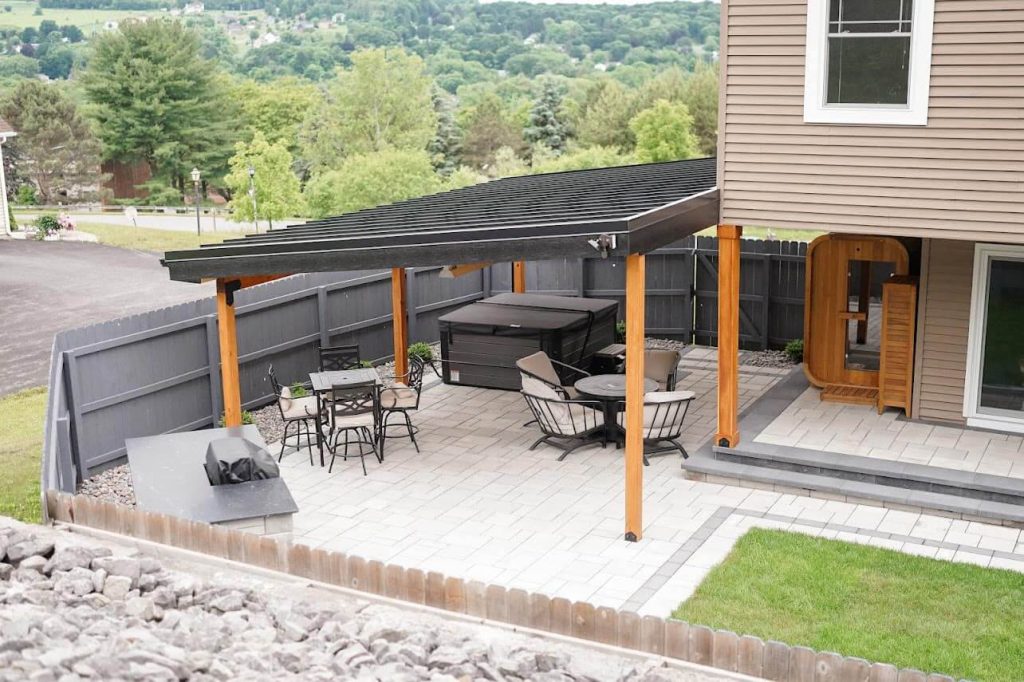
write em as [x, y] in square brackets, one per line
[961, 176]
[944, 310]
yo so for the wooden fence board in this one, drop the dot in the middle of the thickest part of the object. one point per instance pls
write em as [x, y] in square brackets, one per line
[394, 581]
[496, 600]
[854, 670]
[801, 664]
[540, 612]
[476, 599]
[677, 639]
[724, 650]
[701, 644]
[519, 607]
[750, 656]
[454, 595]
[652, 635]
[584, 624]
[434, 594]
[606, 625]
[629, 630]
[415, 586]
[561, 616]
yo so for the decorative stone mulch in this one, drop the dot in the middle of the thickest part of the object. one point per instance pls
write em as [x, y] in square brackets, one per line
[71, 609]
[112, 485]
[765, 358]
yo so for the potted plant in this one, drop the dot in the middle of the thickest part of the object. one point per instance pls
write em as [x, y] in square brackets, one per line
[49, 226]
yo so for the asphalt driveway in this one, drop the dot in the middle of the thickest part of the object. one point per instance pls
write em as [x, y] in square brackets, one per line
[46, 287]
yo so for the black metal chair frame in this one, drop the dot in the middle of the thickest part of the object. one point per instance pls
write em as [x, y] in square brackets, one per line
[557, 388]
[336, 358]
[667, 417]
[301, 423]
[413, 380]
[353, 400]
[543, 410]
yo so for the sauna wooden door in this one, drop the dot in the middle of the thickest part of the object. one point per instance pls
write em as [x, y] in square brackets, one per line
[839, 309]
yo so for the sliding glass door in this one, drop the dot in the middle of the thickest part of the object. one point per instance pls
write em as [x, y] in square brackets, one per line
[995, 388]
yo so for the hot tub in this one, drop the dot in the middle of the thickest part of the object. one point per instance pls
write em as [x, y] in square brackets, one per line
[481, 342]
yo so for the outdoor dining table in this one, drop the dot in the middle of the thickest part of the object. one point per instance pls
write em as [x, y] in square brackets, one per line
[610, 391]
[323, 382]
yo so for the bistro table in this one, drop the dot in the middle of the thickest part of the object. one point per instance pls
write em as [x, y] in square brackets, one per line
[609, 390]
[323, 382]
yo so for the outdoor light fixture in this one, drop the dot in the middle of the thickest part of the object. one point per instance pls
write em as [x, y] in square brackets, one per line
[603, 244]
[252, 195]
[195, 182]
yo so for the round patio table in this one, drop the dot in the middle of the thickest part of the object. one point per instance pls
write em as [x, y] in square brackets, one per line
[609, 390]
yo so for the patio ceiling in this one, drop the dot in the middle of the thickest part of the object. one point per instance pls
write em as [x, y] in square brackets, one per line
[550, 215]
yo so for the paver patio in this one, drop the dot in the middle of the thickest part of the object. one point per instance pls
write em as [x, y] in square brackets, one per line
[812, 424]
[477, 504]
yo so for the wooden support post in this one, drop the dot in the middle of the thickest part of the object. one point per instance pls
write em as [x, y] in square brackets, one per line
[519, 277]
[635, 285]
[401, 323]
[228, 337]
[728, 434]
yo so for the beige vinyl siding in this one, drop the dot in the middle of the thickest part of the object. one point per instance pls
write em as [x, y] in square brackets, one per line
[944, 311]
[961, 176]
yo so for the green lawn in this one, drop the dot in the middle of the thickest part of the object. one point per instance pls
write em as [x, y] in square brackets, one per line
[881, 605]
[89, 20]
[149, 239]
[21, 446]
[781, 234]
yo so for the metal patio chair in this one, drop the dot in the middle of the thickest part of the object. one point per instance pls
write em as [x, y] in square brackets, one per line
[354, 408]
[295, 412]
[565, 424]
[542, 368]
[662, 366]
[402, 397]
[664, 415]
[335, 358]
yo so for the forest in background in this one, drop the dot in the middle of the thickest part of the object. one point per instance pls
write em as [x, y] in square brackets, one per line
[355, 102]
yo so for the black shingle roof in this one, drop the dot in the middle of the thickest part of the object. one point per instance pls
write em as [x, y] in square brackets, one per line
[533, 217]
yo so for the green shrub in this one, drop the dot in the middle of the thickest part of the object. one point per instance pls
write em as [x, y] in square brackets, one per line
[795, 350]
[247, 418]
[298, 390]
[47, 224]
[26, 195]
[421, 350]
[620, 331]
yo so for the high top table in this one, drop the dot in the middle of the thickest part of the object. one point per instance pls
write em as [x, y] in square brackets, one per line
[609, 390]
[322, 382]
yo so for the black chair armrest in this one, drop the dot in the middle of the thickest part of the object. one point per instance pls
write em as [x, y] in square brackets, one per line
[570, 367]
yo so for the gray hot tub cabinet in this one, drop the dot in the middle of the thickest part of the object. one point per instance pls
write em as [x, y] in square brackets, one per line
[481, 342]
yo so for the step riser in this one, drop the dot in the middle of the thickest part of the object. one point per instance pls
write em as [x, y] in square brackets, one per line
[872, 477]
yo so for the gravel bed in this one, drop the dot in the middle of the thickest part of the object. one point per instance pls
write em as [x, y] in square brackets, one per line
[664, 344]
[73, 609]
[113, 485]
[766, 358]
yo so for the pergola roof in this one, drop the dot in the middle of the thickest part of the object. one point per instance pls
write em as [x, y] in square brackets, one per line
[550, 215]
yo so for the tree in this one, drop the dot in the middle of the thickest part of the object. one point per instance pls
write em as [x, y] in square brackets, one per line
[606, 116]
[277, 108]
[382, 102]
[488, 127]
[58, 151]
[545, 125]
[278, 195]
[663, 133]
[157, 101]
[55, 60]
[371, 179]
[580, 159]
[702, 101]
[446, 146]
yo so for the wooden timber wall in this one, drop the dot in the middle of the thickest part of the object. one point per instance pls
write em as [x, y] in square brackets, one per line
[671, 638]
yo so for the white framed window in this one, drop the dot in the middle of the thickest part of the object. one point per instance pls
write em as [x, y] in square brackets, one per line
[868, 61]
[994, 389]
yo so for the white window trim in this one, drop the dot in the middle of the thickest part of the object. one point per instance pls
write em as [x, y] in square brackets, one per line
[816, 72]
[984, 254]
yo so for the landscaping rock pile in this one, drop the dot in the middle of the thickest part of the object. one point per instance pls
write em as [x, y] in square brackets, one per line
[113, 485]
[765, 358]
[80, 612]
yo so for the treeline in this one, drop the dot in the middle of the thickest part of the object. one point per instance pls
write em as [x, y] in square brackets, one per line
[143, 5]
[381, 129]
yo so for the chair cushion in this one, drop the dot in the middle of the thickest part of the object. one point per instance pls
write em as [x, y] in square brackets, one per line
[659, 365]
[539, 365]
[533, 386]
[354, 421]
[398, 396]
[297, 408]
[572, 419]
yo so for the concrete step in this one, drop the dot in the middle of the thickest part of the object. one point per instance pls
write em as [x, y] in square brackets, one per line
[993, 499]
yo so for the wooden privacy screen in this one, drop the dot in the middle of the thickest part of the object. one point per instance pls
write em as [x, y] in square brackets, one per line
[899, 317]
[828, 313]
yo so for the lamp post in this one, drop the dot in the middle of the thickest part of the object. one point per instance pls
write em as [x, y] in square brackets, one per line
[252, 195]
[195, 183]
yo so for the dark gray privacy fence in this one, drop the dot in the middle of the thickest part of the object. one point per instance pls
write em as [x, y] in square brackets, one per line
[158, 372]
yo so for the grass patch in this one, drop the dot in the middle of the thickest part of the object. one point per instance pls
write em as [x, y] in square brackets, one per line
[781, 234]
[150, 239]
[957, 619]
[21, 448]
